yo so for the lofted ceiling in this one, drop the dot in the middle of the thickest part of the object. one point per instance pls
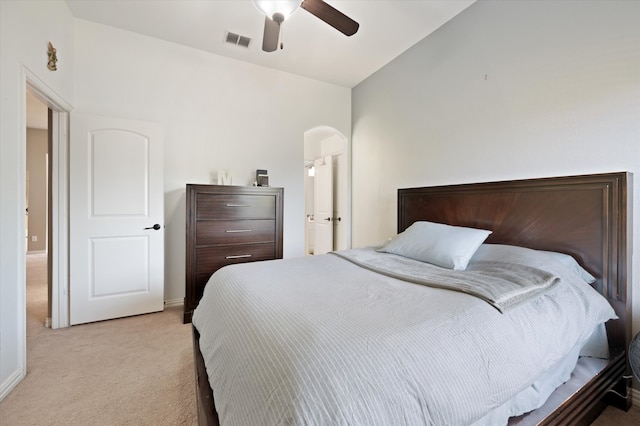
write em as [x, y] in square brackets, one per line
[312, 48]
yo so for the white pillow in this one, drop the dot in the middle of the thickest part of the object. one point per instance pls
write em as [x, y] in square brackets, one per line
[442, 245]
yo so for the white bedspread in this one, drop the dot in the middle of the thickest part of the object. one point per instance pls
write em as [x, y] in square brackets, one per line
[322, 341]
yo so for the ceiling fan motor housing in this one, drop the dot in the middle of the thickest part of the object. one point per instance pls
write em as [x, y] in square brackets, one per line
[277, 11]
[278, 18]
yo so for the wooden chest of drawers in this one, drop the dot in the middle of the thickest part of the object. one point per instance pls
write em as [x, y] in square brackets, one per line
[226, 225]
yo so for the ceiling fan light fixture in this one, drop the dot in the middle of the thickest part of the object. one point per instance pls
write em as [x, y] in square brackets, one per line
[271, 7]
[275, 12]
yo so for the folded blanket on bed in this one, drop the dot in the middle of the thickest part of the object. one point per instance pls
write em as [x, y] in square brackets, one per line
[501, 284]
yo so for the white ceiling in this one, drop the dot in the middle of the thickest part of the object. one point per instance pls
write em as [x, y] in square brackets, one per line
[312, 48]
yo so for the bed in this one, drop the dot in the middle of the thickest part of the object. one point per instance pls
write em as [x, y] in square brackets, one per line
[587, 217]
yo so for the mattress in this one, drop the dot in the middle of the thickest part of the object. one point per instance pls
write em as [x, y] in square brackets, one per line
[322, 340]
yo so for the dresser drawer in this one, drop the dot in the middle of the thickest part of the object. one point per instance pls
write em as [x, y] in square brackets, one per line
[208, 259]
[210, 232]
[235, 206]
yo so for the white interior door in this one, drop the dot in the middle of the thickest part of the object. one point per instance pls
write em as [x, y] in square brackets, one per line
[323, 205]
[116, 199]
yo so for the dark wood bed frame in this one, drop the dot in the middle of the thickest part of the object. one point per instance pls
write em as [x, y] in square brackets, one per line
[588, 217]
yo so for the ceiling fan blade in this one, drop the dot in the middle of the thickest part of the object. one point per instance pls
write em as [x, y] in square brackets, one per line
[331, 16]
[271, 35]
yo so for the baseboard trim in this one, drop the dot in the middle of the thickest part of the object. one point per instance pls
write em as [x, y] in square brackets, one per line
[11, 383]
[173, 302]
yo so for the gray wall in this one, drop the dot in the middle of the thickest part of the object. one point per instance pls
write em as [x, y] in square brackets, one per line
[505, 90]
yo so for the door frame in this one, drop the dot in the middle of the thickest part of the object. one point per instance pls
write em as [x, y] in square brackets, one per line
[59, 197]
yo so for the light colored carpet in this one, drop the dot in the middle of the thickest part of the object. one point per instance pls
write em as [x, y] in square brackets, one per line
[614, 417]
[130, 371]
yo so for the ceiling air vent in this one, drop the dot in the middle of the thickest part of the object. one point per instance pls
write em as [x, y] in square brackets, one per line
[237, 39]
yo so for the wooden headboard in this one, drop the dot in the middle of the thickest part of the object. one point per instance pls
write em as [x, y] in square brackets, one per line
[588, 217]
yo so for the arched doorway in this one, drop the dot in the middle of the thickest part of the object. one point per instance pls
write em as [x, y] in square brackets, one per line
[322, 145]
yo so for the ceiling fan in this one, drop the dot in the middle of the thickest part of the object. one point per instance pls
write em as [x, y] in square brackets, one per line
[277, 11]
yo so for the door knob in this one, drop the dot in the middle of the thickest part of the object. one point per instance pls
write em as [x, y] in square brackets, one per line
[154, 227]
[328, 219]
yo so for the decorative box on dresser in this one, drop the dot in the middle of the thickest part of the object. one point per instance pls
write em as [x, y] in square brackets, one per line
[225, 225]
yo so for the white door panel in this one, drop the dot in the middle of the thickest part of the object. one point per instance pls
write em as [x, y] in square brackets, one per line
[124, 192]
[323, 205]
[131, 254]
[116, 196]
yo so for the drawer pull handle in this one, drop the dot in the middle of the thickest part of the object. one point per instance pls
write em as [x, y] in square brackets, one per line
[232, 231]
[238, 256]
[237, 205]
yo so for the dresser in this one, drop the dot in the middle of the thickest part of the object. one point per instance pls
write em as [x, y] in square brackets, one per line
[227, 225]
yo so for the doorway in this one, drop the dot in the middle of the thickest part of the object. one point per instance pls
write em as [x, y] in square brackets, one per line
[38, 140]
[325, 145]
[57, 222]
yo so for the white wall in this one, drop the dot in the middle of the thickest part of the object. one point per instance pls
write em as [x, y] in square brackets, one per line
[217, 114]
[505, 90]
[25, 30]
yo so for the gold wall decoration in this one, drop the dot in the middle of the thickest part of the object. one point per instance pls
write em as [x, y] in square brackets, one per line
[53, 59]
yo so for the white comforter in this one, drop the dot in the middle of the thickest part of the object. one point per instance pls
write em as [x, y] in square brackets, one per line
[322, 341]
